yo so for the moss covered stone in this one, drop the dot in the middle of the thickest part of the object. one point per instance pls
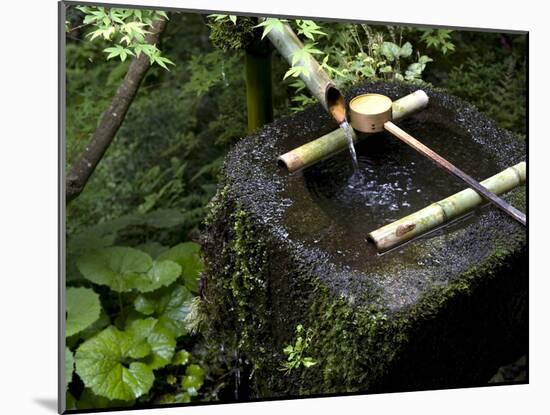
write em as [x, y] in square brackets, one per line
[225, 34]
[443, 311]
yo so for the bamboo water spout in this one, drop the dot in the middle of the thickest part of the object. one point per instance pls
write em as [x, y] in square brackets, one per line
[335, 141]
[316, 80]
[436, 214]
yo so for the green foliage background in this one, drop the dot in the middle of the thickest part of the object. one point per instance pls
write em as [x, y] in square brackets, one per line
[133, 262]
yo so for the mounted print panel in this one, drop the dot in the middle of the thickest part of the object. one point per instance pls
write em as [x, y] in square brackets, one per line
[266, 207]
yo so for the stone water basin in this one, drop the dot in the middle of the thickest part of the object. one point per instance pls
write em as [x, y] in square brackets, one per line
[444, 310]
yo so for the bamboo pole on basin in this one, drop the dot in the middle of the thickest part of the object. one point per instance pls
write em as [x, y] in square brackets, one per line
[336, 141]
[436, 214]
[315, 78]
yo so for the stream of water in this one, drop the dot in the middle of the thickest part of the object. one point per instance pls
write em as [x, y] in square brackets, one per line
[347, 131]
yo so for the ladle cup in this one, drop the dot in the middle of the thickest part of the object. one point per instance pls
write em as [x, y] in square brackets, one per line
[371, 113]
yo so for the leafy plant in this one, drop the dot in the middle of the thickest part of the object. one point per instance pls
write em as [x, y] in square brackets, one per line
[296, 352]
[220, 17]
[270, 24]
[349, 56]
[309, 29]
[302, 56]
[438, 39]
[83, 309]
[125, 269]
[496, 86]
[126, 313]
[127, 28]
[109, 363]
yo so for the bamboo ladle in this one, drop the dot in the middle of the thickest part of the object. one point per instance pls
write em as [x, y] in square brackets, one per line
[371, 113]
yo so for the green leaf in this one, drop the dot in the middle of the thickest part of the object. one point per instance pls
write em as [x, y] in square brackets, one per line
[146, 48]
[169, 305]
[124, 269]
[162, 14]
[162, 273]
[270, 24]
[195, 370]
[69, 366]
[116, 267]
[95, 33]
[309, 28]
[193, 379]
[162, 61]
[406, 50]
[106, 33]
[89, 19]
[304, 53]
[233, 19]
[390, 50]
[163, 346]
[181, 358]
[308, 362]
[296, 71]
[425, 59]
[145, 305]
[119, 51]
[217, 17]
[187, 256]
[83, 309]
[113, 51]
[368, 71]
[106, 362]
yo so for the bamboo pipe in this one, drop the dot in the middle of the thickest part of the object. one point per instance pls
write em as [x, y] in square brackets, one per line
[451, 168]
[316, 80]
[436, 214]
[336, 141]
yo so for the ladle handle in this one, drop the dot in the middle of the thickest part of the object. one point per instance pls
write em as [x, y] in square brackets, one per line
[441, 162]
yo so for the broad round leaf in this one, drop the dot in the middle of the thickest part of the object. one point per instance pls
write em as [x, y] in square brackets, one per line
[124, 269]
[83, 309]
[406, 50]
[102, 322]
[187, 256]
[117, 267]
[106, 363]
[163, 345]
[162, 274]
[145, 304]
[169, 305]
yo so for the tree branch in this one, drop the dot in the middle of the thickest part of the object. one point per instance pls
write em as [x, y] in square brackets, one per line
[112, 119]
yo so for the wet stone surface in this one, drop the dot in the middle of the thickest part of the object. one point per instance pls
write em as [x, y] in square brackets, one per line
[444, 310]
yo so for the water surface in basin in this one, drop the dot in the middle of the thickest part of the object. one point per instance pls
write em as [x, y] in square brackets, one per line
[393, 181]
